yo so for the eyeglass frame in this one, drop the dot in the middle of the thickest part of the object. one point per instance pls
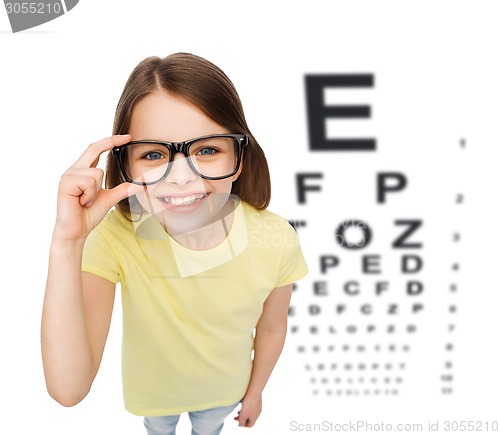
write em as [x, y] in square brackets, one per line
[241, 140]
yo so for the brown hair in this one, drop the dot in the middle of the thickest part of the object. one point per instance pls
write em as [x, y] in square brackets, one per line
[207, 87]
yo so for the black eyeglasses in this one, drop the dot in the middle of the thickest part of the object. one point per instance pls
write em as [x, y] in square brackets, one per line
[212, 157]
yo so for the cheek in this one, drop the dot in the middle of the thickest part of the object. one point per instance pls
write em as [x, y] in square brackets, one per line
[219, 186]
[148, 202]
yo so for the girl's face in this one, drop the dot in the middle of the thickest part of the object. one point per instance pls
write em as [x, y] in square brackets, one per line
[183, 201]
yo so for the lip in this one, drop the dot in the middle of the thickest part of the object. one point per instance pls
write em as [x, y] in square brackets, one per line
[183, 202]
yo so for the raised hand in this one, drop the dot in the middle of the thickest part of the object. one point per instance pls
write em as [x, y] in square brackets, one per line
[82, 202]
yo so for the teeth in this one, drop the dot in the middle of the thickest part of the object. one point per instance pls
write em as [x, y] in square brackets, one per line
[186, 200]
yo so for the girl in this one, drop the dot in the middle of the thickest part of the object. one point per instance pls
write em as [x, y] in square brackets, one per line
[206, 272]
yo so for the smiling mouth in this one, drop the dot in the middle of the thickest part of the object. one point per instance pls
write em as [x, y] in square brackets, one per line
[184, 200]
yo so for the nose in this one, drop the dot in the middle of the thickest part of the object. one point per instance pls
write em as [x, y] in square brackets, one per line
[180, 172]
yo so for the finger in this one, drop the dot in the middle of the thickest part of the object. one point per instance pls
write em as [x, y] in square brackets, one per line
[84, 183]
[91, 192]
[125, 190]
[90, 156]
[85, 188]
[122, 191]
[243, 421]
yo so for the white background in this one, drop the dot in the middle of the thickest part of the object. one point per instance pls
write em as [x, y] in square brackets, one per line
[437, 80]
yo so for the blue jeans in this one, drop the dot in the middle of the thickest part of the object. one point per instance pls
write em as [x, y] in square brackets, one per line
[207, 422]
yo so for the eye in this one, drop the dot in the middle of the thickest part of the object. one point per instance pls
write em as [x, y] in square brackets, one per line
[206, 151]
[153, 155]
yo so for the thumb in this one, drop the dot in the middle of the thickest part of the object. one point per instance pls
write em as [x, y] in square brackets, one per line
[111, 197]
[122, 191]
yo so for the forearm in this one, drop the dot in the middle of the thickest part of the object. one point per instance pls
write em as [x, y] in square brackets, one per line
[69, 366]
[267, 349]
[270, 336]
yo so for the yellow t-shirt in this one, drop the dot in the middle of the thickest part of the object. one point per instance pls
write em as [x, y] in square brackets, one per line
[189, 316]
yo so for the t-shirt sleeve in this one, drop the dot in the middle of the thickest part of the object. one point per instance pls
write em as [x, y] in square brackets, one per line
[98, 257]
[293, 265]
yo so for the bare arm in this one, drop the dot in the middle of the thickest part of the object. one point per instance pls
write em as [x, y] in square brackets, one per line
[269, 340]
[75, 324]
[77, 307]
